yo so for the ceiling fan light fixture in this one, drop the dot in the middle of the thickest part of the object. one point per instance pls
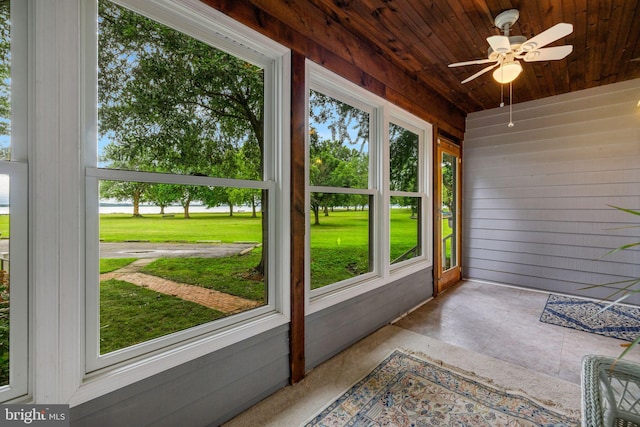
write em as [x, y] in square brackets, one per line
[508, 72]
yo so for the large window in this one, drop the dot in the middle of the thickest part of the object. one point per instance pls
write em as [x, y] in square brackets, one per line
[13, 207]
[182, 195]
[368, 198]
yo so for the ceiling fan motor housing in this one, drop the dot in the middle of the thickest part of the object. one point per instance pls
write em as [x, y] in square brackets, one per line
[514, 41]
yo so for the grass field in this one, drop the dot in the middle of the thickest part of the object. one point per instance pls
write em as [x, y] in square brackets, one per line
[4, 226]
[131, 314]
[201, 226]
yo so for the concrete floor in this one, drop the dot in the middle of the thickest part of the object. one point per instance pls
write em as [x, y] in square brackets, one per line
[503, 322]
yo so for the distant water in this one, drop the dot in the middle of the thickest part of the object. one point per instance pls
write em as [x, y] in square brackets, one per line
[128, 209]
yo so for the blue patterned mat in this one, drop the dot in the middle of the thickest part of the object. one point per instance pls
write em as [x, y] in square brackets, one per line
[407, 391]
[618, 321]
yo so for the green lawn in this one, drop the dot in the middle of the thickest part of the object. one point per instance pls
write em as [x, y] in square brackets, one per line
[339, 247]
[340, 244]
[131, 314]
[228, 275]
[108, 265]
[201, 226]
[4, 225]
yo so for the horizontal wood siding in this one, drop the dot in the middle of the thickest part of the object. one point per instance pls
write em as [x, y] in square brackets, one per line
[206, 391]
[537, 195]
[334, 329]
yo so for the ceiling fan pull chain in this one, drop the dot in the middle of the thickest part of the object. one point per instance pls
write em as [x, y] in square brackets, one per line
[501, 93]
[510, 105]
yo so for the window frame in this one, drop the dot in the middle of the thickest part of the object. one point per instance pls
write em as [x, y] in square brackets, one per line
[381, 112]
[212, 27]
[17, 170]
[322, 83]
[401, 118]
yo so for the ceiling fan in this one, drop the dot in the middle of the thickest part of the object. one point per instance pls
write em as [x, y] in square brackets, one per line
[506, 51]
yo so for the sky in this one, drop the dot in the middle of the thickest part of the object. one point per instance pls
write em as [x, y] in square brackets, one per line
[4, 189]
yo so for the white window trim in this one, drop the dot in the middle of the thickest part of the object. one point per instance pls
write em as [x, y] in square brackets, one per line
[320, 79]
[59, 145]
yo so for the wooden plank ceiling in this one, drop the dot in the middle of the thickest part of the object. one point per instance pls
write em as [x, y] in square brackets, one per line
[423, 37]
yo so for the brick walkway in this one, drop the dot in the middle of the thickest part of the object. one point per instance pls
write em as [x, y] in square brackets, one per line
[203, 296]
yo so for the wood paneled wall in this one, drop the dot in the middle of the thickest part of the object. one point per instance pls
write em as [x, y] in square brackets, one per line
[537, 194]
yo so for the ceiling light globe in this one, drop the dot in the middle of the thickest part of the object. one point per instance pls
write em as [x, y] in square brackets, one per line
[507, 72]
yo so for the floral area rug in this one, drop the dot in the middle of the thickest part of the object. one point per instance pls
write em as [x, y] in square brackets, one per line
[407, 391]
[619, 321]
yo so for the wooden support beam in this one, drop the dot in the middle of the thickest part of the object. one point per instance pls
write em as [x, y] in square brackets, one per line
[298, 216]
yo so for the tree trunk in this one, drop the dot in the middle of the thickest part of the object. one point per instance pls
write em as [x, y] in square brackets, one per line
[253, 208]
[161, 209]
[230, 209]
[326, 211]
[136, 203]
[265, 234]
[316, 211]
[185, 206]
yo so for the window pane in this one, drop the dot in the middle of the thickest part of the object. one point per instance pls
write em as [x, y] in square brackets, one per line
[5, 80]
[4, 280]
[403, 149]
[339, 143]
[170, 103]
[449, 185]
[5, 154]
[184, 256]
[340, 237]
[404, 228]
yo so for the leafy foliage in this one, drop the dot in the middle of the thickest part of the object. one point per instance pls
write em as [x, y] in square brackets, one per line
[342, 160]
[5, 75]
[171, 103]
[403, 158]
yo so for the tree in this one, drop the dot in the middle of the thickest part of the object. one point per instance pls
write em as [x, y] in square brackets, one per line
[448, 183]
[162, 195]
[171, 103]
[124, 191]
[403, 164]
[403, 159]
[5, 75]
[341, 160]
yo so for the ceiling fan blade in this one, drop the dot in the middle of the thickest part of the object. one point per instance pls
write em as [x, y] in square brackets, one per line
[548, 36]
[477, 61]
[479, 73]
[548, 53]
[499, 44]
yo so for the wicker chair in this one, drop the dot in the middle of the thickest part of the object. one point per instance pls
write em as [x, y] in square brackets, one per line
[610, 392]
